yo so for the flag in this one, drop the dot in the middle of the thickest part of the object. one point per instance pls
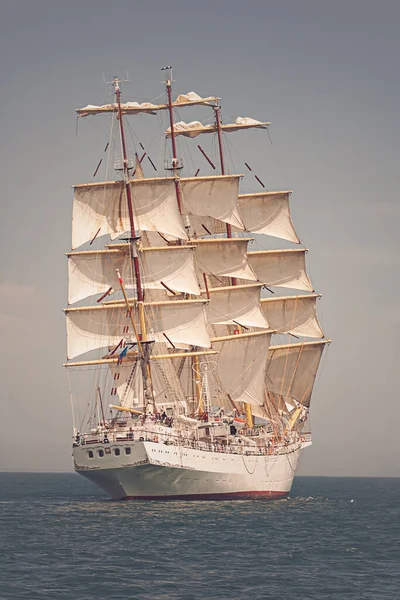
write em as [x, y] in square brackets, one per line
[121, 355]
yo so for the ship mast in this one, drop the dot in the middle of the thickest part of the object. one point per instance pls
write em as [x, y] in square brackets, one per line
[217, 110]
[143, 348]
[134, 238]
[175, 169]
[175, 161]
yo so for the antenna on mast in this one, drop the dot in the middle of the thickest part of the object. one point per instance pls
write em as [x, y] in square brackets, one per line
[168, 75]
[176, 163]
[115, 80]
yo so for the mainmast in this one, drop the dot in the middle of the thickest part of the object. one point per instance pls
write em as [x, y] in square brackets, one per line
[217, 111]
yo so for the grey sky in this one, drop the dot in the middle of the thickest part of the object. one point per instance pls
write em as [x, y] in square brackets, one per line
[325, 73]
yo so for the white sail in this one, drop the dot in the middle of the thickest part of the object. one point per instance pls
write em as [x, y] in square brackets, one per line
[173, 266]
[179, 322]
[241, 366]
[102, 208]
[127, 385]
[223, 257]
[291, 370]
[260, 411]
[238, 305]
[203, 226]
[132, 108]
[195, 128]
[281, 268]
[184, 322]
[268, 213]
[215, 197]
[293, 314]
[94, 272]
[127, 382]
[193, 98]
[126, 107]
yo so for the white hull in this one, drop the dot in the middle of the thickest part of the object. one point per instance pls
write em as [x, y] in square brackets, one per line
[155, 470]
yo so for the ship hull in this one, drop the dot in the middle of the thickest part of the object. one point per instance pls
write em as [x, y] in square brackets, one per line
[157, 471]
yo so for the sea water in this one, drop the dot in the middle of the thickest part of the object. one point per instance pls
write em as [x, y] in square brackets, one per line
[334, 538]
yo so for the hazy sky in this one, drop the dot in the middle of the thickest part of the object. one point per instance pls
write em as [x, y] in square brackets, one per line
[325, 73]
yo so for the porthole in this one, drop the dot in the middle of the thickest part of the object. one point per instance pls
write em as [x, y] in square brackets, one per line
[101, 453]
[117, 451]
[127, 450]
[90, 454]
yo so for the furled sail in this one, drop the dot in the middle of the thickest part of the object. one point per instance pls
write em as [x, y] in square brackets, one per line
[291, 370]
[238, 305]
[281, 268]
[128, 108]
[215, 197]
[94, 271]
[241, 365]
[191, 98]
[293, 314]
[195, 128]
[223, 257]
[134, 108]
[268, 213]
[93, 327]
[102, 208]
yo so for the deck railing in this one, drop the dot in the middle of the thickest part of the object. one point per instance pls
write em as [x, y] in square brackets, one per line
[282, 446]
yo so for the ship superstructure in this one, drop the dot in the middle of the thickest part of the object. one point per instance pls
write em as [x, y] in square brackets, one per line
[174, 319]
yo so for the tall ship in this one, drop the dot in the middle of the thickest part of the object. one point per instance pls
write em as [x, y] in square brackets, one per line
[193, 341]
